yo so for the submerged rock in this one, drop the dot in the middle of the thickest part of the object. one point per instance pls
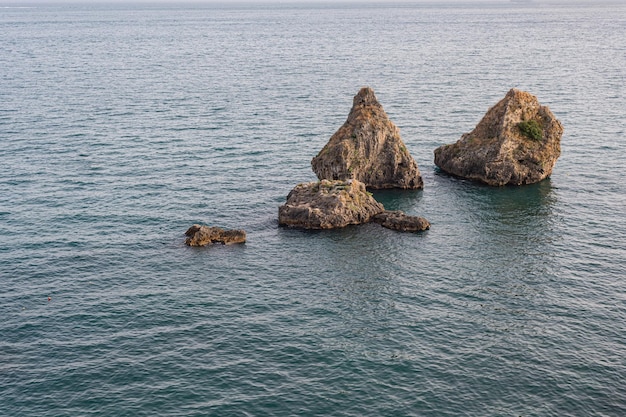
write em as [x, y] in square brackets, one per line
[368, 148]
[199, 235]
[398, 220]
[328, 204]
[517, 142]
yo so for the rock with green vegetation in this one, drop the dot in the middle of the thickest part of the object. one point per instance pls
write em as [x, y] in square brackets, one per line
[517, 142]
[200, 235]
[368, 148]
[328, 205]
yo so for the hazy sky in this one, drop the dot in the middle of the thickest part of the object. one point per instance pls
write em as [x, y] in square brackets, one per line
[19, 2]
[250, 1]
[34, 2]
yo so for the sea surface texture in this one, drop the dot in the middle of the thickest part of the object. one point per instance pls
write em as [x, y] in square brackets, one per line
[121, 126]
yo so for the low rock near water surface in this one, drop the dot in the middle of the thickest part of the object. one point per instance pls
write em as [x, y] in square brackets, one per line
[199, 235]
[368, 148]
[517, 142]
[398, 220]
[328, 204]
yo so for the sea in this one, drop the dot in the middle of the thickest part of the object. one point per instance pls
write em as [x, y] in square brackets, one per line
[121, 125]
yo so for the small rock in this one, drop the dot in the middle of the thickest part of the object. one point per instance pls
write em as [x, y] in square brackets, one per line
[368, 148]
[199, 235]
[398, 220]
[517, 142]
[328, 204]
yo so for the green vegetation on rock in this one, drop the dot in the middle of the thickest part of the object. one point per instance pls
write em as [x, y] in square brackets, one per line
[531, 129]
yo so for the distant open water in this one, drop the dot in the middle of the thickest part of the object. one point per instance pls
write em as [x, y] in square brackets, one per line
[121, 126]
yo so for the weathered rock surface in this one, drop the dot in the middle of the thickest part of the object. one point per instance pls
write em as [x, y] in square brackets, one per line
[328, 204]
[199, 235]
[398, 220]
[500, 151]
[368, 148]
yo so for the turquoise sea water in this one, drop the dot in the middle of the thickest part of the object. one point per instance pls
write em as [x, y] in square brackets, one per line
[120, 126]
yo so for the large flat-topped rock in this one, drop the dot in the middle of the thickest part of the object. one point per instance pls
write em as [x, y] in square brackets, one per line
[328, 205]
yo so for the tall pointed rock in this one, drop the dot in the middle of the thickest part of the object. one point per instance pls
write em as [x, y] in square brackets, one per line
[368, 148]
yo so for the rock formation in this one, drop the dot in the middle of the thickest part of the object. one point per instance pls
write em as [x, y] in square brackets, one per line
[398, 220]
[198, 235]
[368, 148]
[328, 204]
[517, 142]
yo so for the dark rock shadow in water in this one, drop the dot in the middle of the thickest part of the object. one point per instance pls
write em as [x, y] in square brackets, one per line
[396, 199]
